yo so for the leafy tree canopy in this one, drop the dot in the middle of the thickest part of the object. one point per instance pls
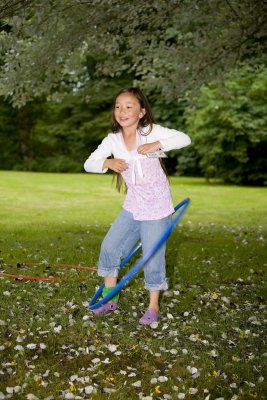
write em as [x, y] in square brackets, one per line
[229, 129]
[166, 46]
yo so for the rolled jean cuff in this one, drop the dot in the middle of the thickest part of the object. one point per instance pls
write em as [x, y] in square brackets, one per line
[112, 273]
[162, 286]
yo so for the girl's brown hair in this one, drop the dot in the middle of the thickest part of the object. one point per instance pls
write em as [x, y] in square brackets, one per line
[146, 120]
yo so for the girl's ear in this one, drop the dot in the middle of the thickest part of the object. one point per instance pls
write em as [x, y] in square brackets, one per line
[142, 113]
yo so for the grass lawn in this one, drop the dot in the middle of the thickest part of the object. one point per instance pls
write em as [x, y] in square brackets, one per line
[210, 342]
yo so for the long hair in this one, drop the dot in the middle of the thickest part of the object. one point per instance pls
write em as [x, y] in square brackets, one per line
[147, 120]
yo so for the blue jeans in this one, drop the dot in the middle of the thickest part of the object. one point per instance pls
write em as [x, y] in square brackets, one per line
[121, 238]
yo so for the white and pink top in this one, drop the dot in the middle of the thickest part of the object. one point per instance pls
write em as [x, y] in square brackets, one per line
[148, 191]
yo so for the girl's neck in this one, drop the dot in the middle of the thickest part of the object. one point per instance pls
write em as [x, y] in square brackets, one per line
[129, 132]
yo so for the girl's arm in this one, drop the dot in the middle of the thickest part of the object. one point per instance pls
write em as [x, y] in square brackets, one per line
[98, 161]
[171, 139]
[95, 162]
[164, 139]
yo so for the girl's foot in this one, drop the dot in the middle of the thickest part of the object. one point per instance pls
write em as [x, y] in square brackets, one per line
[149, 317]
[107, 307]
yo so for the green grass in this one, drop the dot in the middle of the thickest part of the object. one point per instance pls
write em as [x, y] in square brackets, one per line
[210, 342]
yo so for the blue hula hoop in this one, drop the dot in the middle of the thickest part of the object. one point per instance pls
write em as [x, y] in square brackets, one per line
[93, 305]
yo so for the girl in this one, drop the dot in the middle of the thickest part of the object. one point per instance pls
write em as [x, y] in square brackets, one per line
[136, 145]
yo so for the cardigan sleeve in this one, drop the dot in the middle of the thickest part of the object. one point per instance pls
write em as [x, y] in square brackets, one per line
[171, 139]
[95, 161]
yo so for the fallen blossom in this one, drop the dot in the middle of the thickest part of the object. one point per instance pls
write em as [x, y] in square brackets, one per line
[137, 384]
[88, 389]
[31, 346]
[193, 390]
[162, 378]
[112, 347]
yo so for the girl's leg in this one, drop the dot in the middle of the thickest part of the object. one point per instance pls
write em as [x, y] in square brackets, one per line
[119, 241]
[117, 244]
[110, 281]
[154, 300]
[155, 268]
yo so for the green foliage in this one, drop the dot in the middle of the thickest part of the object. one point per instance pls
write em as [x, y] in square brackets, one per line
[55, 137]
[165, 46]
[9, 144]
[229, 128]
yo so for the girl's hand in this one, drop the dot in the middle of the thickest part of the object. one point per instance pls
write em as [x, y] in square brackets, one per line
[115, 164]
[149, 147]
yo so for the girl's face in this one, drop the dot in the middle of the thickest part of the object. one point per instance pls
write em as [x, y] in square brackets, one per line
[128, 111]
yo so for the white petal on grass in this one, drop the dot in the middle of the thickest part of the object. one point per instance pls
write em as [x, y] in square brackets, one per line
[31, 396]
[88, 389]
[7, 293]
[170, 316]
[95, 360]
[106, 361]
[153, 381]
[162, 378]
[19, 347]
[108, 390]
[213, 353]
[112, 347]
[192, 370]
[69, 395]
[225, 299]
[192, 390]
[20, 339]
[181, 396]
[193, 338]
[186, 314]
[31, 346]
[154, 325]
[137, 384]
[57, 329]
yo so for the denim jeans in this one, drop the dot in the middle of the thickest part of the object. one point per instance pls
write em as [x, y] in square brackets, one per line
[120, 240]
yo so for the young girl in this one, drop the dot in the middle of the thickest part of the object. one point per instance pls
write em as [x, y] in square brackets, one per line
[136, 145]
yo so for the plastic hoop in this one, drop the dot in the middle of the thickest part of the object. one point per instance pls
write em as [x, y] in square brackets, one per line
[93, 305]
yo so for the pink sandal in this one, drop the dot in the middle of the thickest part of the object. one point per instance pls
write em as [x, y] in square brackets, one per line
[149, 317]
[107, 307]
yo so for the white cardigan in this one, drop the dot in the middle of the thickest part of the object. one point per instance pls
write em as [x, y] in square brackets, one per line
[113, 144]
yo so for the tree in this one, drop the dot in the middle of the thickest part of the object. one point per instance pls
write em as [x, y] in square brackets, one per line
[168, 47]
[229, 128]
